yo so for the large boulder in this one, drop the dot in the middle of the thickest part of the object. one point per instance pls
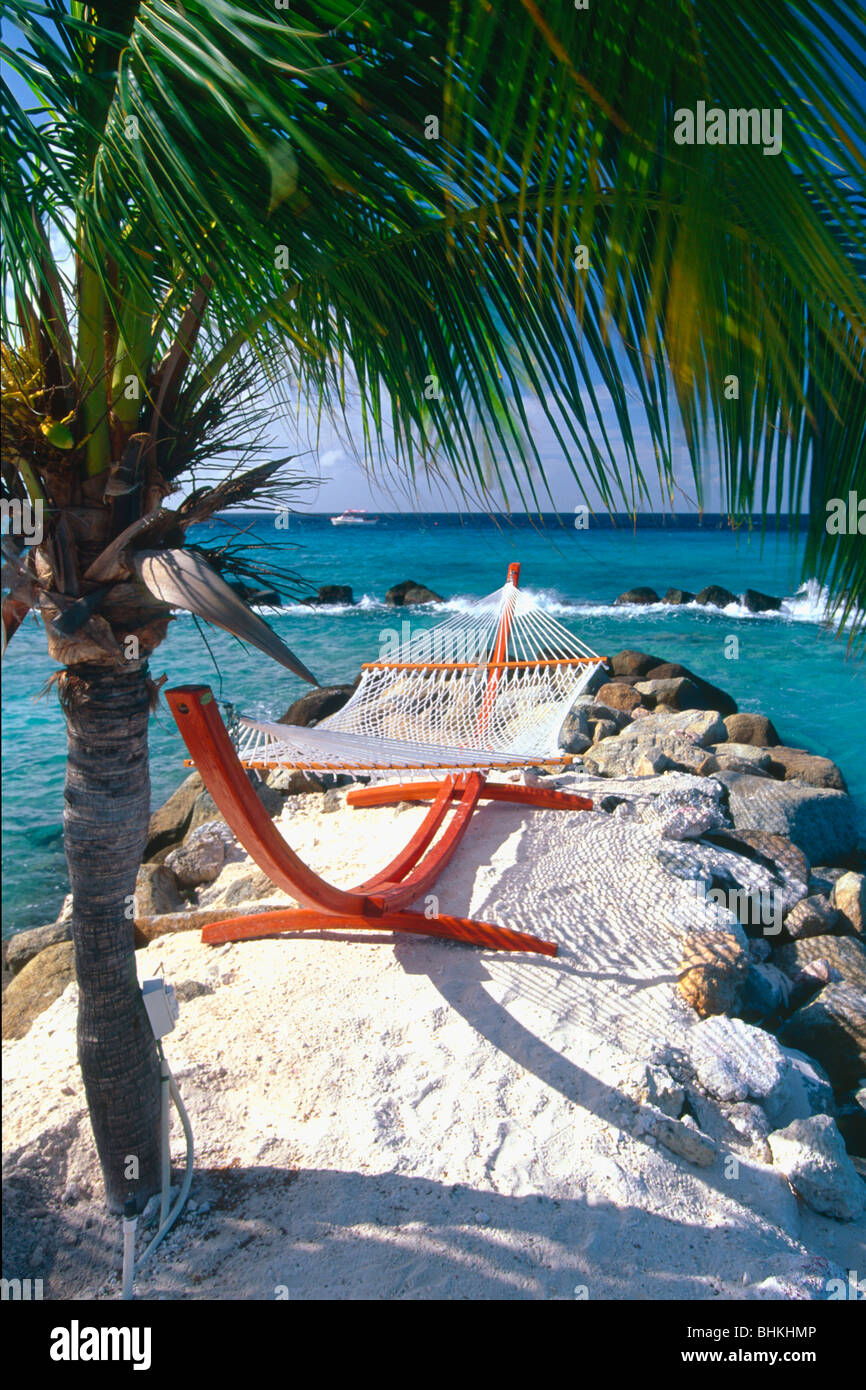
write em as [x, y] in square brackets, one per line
[849, 895]
[678, 596]
[632, 663]
[170, 822]
[575, 735]
[678, 693]
[156, 891]
[716, 596]
[317, 704]
[844, 953]
[796, 765]
[331, 594]
[756, 602]
[814, 916]
[822, 822]
[755, 729]
[618, 695]
[733, 1060]
[712, 972]
[639, 595]
[290, 781]
[38, 984]
[202, 855]
[811, 1153]
[832, 1029]
[408, 592]
[711, 696]
[776, 853]
[24, 945]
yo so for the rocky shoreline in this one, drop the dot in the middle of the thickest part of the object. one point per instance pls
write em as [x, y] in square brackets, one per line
[762, 891]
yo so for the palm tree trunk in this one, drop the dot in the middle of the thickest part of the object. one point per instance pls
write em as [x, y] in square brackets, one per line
[105, 818]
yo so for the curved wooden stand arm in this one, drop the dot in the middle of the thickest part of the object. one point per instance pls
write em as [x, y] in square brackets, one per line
[375, 903]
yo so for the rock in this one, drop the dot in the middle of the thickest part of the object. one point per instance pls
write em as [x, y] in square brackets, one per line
[185, 990]
[776, 853]
[823, 880]
[617, 695]
[811, 917]
[678, 693]
[316, 705]
[849, 896]
[681, 1138]
[156, 891]
[711, 696]
[756, 602]
[331, 594]
[804, 1090]
[795, 764]
[24, 945]
[602, 728]
[205, 810]
[700, 727]
[821, 821]
[678, 596]
[574, 736]
[751, 1124]
[201, 857]
[42, 980]
[729, 761]
[638, 596]
[596, 710]
[408, 592]
[832, 1029]
[291, 782]
[239, 887]
[170, 822]
[754, 729]
[687, 822]
[844, 953]
[712, 972]
[631, 663]
[648, 762]
[811, 1153]
[660, 1088]
[733, 1060]
[851, 1119]
[755, 758]
[766, 993]
[716, 596]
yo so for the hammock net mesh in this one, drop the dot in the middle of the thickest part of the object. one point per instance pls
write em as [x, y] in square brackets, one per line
[489, 687]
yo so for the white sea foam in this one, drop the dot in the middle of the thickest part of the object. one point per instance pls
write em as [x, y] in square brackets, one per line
[810, 604]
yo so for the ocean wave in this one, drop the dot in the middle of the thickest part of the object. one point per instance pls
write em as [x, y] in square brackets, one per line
[810, 604]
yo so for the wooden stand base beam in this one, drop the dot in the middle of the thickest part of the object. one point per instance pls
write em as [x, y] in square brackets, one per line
[265, 924]
[539, 797]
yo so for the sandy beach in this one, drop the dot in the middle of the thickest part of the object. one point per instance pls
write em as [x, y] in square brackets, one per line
[407, 1118]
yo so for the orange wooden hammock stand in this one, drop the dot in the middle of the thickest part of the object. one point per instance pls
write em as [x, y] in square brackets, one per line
[381, 902]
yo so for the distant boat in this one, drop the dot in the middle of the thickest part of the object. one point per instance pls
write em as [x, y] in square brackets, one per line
[354, 518]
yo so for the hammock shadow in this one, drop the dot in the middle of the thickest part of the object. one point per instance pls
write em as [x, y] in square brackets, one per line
[579, 1021]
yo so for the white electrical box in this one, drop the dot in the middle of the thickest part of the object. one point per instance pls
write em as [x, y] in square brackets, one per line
[161, 1005]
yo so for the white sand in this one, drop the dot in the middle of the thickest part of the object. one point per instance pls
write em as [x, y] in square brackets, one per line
[380, 1117]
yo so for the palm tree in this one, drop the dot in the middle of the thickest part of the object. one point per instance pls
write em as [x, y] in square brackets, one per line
[435, 212]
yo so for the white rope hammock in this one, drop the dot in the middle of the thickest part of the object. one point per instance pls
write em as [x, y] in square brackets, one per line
[488, 688]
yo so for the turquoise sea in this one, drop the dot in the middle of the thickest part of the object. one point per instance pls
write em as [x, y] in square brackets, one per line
[789, 666]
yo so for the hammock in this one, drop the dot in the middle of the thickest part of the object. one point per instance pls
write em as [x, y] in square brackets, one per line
[487, 689]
